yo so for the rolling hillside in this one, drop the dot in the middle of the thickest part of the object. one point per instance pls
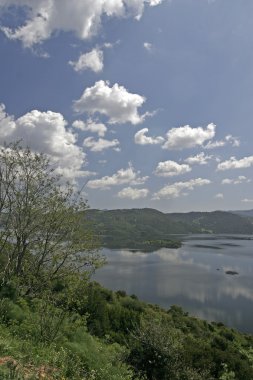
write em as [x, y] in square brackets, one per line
[217, 222]
[132, 228]
[245, 213]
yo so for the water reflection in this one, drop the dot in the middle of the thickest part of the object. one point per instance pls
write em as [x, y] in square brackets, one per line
[192, 276]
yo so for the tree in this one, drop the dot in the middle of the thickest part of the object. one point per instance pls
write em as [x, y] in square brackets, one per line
[43, 237]
[157, 353]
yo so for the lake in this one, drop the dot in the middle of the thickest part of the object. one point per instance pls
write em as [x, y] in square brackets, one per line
[193, 276]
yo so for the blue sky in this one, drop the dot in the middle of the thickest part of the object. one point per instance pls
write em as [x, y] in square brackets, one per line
[148, 103]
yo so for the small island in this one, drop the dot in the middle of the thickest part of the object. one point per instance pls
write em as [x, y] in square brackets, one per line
[145, 246]
[231, 272]
[154, 244]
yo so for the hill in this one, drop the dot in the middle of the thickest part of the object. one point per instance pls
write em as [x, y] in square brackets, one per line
[217, 222]
[245, 213]
[146, 228]
[134, 228]
[113, 336]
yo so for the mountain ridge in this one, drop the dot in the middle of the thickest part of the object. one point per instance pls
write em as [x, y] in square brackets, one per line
[131, 228]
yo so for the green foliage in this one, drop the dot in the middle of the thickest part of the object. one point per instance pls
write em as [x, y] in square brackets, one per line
[75, 354]
[226, 374]
[42, 236]
[203, 346]
[134, 341]
[110, 314]
[157, 352]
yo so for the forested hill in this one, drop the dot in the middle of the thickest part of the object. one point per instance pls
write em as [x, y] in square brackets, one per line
[245, 213]
[217, 222]
[133, 228]
[130, 227]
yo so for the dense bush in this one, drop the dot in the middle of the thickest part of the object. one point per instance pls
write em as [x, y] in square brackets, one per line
[114, 336]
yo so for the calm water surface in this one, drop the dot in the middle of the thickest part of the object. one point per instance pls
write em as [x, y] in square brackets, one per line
[193, 276]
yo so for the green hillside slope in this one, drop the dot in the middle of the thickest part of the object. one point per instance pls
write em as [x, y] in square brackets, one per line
[245, 213]
[217, 222]
[146, 228]
[134, 228]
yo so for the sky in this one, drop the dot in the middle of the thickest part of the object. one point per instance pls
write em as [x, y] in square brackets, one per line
[142, 103]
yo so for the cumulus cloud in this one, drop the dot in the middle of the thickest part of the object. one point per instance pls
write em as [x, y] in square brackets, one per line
[219, 196]
[233, 163]
[171, 168]
[91, 126]
[233, 140]
[100, 144]
[45, 132]
[229, 139]
[45, 17]
[235, 181]
[214, 144]
[119, 105]
[94, 60]
[7, 124]
[178, 189]
[247, 200]
[148, 46]
[121, 177]
[188, 137]
[199, 159]
[141, 138]
[131, 193]
[110, 45]
[153, 3]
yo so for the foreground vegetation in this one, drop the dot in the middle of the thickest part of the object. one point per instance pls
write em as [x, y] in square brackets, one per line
[115, 336]
[55, 323]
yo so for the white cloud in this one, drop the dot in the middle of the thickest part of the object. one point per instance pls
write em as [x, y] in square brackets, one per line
[233, 163]
[148, 46]
[178, 189]
[129, 192]
[153, 3]
[200, 159]
[141, 138]
[7, 124]
[91, 126]
[188, 137]
[247, 200]
[92, 60]
[45, 17]
[236, 181]
[171, 168]
[45, 132]
[219, 196]
[121, 177]
[119, 105]
[110, 45]
[100, 144]
[214, 144]
[229, 139]
[233, 140]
